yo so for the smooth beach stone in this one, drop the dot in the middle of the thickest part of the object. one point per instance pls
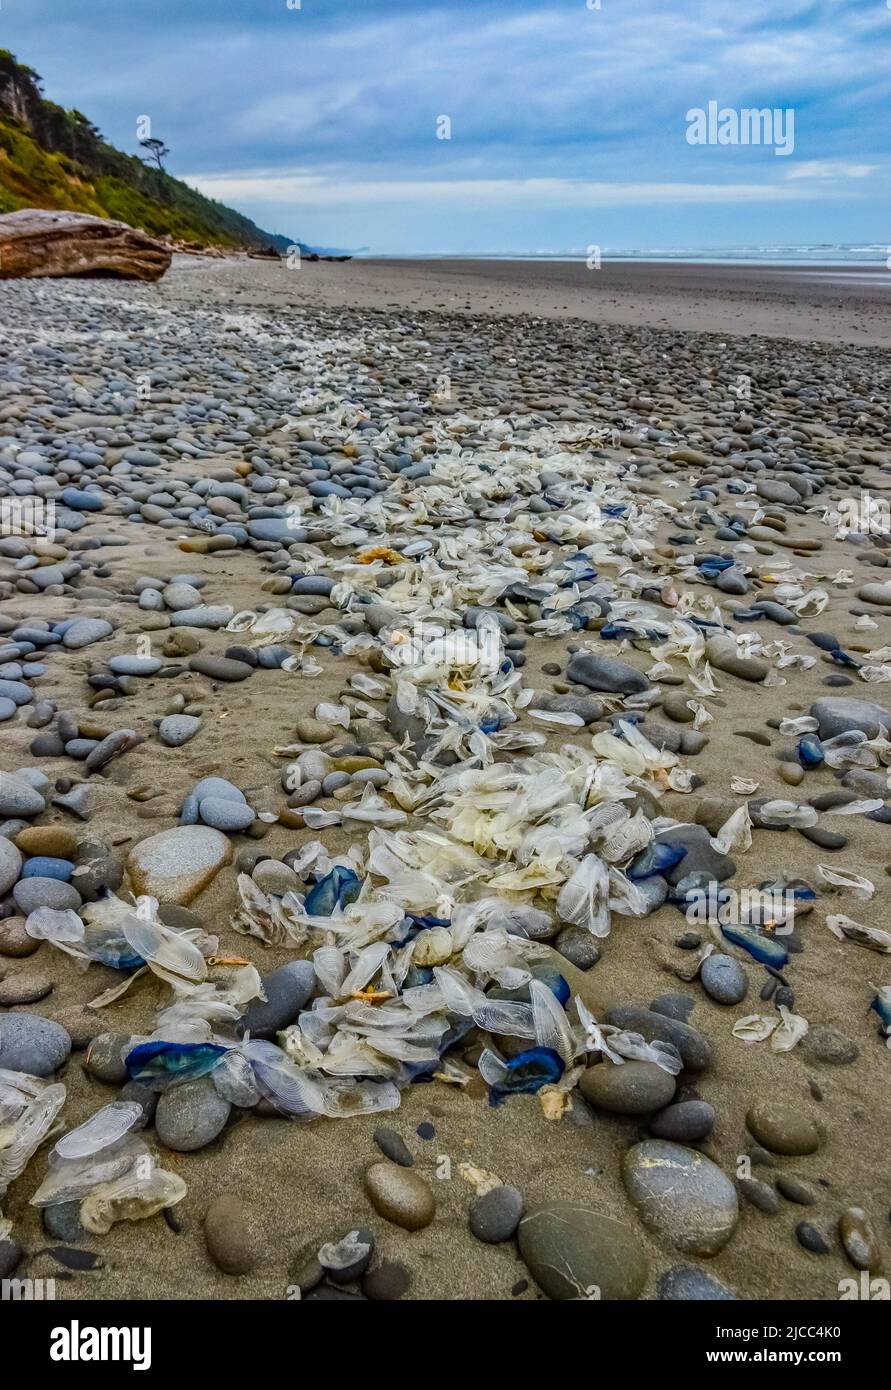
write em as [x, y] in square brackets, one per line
[723, 655]
[634, 1088]
[224, 814]
[724, 979]
[859, 1240]
[694, 1049]
[875, 593]
[605, 673]
[126, 665]
[10, 1256]
[10, 865]
[400, 1195]
[105, 1057]
[810, 1238]
[288, 990]
[272, 876]
[578, 946]
[31, 893]
[575, 1252]
[177, 729]
[495, 1215]
[176, 865]
[24, 988]
[685, 1123]
[836, 714]
[14, 939]
[53, 840]
[46, 866]
[179, 596]
[204, 616]
[386, 1282]
[8, 709]
[18, 797]
[689, 1284]
[681, 1196]
[16, 691]
[32, 1044]
[61, 1221]
[311, 730]
[783, 1128]
[795, 1189]
[220, 668]
[228, 1236]
[190, 1115]
[759, 1194]
[393, 1146]
[84, 631]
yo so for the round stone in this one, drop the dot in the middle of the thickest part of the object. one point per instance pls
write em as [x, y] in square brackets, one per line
[190, 1115]
[24, 988]
[32, 1044]
[393, 1146]
[10, 865]
[31, 893]
[859, 1239]
[228, 1235]
[574, 1252]
[105, 1057]
[681, 1196]
[311, 730]
[288, 990]
[177, 729]
[724, 979]
[226, 815]
[685, 1123]
[783, 1128]
[579, 947]
[634, 1088]
[387, 1282]
[176, 865]
[495, 1215]
[272, 876]
[400, 1195]
[688, 1284]
[14, 939]
[53, 840]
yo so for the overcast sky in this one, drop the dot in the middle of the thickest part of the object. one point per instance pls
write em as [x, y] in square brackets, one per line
[568, 124]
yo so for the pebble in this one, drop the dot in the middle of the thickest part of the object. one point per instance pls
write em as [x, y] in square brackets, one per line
[689, 1284]
[495, 1216]
[634, 1088]
[393, 1146]
[759, 1194]
[347, 1259]
[795, 1189]
[783, 1128]
[176, 865]
[10, 865]
[859, 1240]
[400, 1195]
[812, 1239]
[24, 988]
[190, 1115]
[681, 1196]
[228, 1235]
[177, 729]
[14, 939]
[724, 979]
[32, 1044]
[574, 1252]
[687, 1122]
[288, 990]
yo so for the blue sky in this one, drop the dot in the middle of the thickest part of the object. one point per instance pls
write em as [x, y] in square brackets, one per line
[568, 124]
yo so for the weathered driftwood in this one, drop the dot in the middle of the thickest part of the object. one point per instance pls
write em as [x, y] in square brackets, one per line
[38, 242]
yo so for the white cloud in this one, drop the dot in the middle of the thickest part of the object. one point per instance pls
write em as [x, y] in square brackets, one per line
[303, 188]
[830, 169]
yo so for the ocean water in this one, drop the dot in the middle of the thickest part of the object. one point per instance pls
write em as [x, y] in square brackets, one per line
[821, 254]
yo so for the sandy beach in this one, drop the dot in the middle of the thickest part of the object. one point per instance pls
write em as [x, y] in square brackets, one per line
[829, 304]
[698, 379]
